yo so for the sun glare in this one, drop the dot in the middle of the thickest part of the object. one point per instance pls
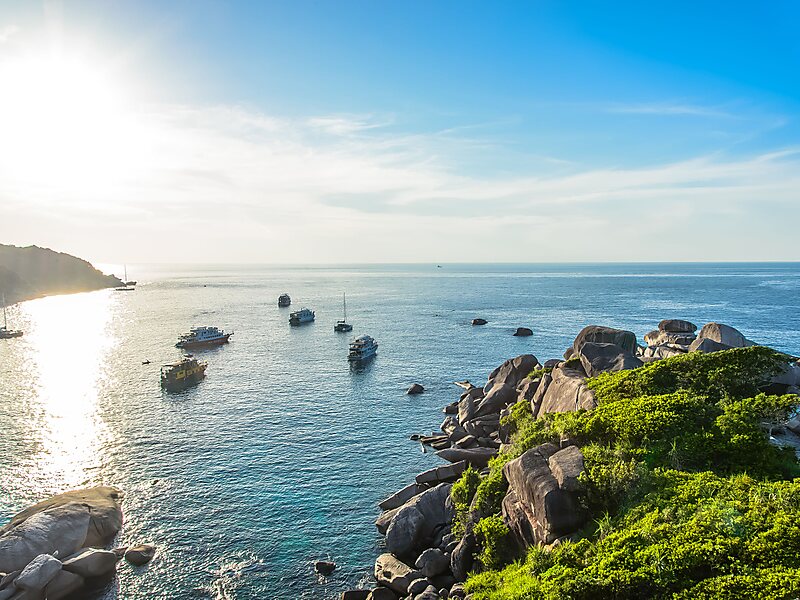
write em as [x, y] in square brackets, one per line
[62, 119]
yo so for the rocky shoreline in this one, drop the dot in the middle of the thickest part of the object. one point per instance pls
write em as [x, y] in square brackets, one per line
[428, 555]
[57, 547]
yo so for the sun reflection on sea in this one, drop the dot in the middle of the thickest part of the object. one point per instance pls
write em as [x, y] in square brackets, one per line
[68, 338]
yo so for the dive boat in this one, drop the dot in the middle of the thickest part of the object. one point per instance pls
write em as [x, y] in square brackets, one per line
[199, 337]
[5, 332]
[342, 324]
[284, 300]
[362, 348]
[304, 315]
[183, 374]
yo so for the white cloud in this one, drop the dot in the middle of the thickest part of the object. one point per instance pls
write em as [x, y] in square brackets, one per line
[671, 109]
[259, 188]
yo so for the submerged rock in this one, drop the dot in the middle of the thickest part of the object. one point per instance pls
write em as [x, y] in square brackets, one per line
[479, 321]
[523, 332]
[415, 389]
[324, 567]
[140, 555]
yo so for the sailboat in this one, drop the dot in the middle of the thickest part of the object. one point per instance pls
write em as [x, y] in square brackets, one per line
[127, 285]
[342, 324]
[5, 332]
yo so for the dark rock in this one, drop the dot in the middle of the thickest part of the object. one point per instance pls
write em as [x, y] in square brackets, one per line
[461, 558]
[500, 396]
[442, 474]
[7, 578]
[514, 370]
[566, 392]
[457, 591]
[451, 409]
[324, 567]
[538, 397]
[382, 593]
[598, 358]
[355, 595]
[140, 555]
[477, 457]
[419, 519]
[62, 585]
[91, 562]
[569, 353]
[418, 586]
[383, 521]
[479, 321]
[677, 326]
[707, 345]
[415, 389]
[400, 497]
[551, 363]
[523, 332]
[605, 335]
[432, 562]
[660, 338]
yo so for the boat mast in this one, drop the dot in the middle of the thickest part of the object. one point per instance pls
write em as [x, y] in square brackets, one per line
[344, 305]
[5, 321]
[126, 273]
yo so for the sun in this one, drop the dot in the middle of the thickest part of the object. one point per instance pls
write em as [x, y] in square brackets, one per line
[63, 119]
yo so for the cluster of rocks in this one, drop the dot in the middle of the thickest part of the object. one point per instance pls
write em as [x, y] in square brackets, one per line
[51, 549]
[424, 560]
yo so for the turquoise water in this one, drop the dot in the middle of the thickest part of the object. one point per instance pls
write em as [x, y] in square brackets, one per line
[279, 457]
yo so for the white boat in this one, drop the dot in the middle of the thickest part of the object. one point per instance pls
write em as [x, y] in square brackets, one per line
[362, 348]
[284, 300]
[342, 324]
[199, 337]
[128, 286]
[304, 315]
[5, 332]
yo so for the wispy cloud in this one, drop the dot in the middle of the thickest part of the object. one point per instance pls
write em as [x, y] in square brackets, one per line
[671, 109]
[346, 125]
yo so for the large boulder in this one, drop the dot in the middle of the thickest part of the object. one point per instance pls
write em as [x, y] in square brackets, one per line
[706, 345]
[476, 457]
[59, 529]
[418, 520]
[543, 501]
[462, 556]
[38, 573]
[660, 338]
[91, 562]
[605, 335]
[598, 358]
[62, 585]
[500, 396]
[677, 326]
[104, 504]
[432, 562]
[724, 334]
[566, 392]
[514, 370]
[393, 573]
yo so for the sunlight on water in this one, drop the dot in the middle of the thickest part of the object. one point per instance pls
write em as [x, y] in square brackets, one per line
[67, 343]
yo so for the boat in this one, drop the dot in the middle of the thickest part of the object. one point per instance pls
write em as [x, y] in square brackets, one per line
[342, 324]
[182, 374]
[304, 315]
[200, 337]
[125, 280]
[284, 300]
[362, 348]
[5, 332]
[127, 286]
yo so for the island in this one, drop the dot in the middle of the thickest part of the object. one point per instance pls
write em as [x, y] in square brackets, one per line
[32, 272]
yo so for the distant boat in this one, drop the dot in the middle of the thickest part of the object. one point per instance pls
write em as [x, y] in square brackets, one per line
[362, 348]
[202, 337]
[5, 332]
[182, 374]
[125, 280]
[304, 315]
[342, 324]
[284, 300]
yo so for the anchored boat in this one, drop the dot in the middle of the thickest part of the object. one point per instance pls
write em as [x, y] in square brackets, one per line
[284, 300]
[5, 332]
[183, 374]
[342, 324]
[304, 315]
[203, 337]
[362, 348]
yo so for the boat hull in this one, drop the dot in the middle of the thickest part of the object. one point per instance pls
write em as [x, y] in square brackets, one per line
[185, 383]
[7, 335]
[362, 356]
[205, 343]
[343, 327]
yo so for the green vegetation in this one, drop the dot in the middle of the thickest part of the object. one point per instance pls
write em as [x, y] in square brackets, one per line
[688, 498]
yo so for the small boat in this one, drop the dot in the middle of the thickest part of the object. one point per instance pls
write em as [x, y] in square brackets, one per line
[304, 315]
[284, 300]
[362, 348]
[342, 324]
[5, 332]
[125, 280]
[127, 286]
[182, 374]
[199, 337]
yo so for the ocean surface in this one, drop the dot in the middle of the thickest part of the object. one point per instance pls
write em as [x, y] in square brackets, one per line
[279, 456]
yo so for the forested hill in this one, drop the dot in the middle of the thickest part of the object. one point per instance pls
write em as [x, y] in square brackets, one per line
[31, 272]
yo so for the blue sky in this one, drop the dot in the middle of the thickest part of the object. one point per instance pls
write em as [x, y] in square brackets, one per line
[496, 131]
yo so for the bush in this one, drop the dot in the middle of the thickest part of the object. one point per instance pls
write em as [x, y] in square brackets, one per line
[493, 535]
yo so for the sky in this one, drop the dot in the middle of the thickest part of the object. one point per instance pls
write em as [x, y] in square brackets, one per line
[374, 131]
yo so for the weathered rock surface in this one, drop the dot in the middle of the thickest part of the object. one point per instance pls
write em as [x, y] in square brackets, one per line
[605, 335]
[500, 396]
[659, 338]
[140, 555]
[707, 345]
[418, 586]
[724, 334]
[394, 574]
[400, 497]
[514, 370]
[62, 585]
[382, 593]
[462, 557]
[355, 595]
[417, 520]
[59, 528]
[442, 474]
[432, 562]
[477, 457]
[677, 326]
[597, 358]
[565, 392]
[537, 509]
[38, 573]
[91, 562]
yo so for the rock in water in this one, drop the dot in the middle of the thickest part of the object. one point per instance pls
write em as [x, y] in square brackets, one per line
[523, 332]
[140, 555]
[324, 567]
[415, 389]
[479, 321]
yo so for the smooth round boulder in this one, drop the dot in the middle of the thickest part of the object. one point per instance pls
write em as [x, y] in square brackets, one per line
[432, 562]
[418, 586]
[677, 326]
[415, 389]
[91, 562]
[140, 555]
[479, 321]
[605, 335]
[523, 332]
[324, 567]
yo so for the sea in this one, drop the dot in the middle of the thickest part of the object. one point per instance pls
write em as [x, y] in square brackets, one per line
[280, 456]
